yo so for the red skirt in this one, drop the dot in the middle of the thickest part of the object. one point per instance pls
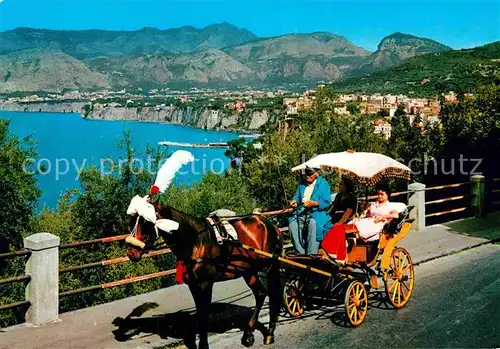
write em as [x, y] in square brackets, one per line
[335, 242]
[180, 270]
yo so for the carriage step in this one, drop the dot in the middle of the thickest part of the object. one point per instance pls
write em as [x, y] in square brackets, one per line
[374, 281]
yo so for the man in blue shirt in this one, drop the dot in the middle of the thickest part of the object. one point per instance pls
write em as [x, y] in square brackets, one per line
[310, 222]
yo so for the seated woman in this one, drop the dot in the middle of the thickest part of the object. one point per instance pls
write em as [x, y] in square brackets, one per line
[378, 213]
[345, 203]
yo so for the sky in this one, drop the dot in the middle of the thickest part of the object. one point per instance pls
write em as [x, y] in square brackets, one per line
[456, 23]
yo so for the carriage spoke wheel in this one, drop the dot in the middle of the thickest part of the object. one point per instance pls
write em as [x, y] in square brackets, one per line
[399, 278]
[356, 303]
[293, 297]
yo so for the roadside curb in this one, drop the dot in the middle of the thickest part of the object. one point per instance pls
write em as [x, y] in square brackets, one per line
[430, 259]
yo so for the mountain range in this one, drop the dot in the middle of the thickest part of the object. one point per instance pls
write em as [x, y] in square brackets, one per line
[219, 55]
[459, 70]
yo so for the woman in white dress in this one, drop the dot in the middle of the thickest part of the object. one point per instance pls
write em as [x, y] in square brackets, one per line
[369, 228]
[377, 214]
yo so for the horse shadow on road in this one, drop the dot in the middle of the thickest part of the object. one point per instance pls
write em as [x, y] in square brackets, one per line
[181, 325]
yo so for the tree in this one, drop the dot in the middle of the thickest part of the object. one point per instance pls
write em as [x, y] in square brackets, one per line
[18, 188]
[412, 143]
[241, 152]
[230, 191]
[353, 108]
[18, 195]
[471, 127]
[383, 113]
[268, 175]
[87, 109]
[101, 208]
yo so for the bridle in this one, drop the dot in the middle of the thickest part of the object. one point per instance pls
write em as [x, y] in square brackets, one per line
[132, 238]
[134, 241]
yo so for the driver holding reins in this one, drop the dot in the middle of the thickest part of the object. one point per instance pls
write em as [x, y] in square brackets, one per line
[310, 221]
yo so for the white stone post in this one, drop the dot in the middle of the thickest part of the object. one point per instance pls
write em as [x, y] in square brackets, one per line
[417, 199]
[477, 193]
[43, 289]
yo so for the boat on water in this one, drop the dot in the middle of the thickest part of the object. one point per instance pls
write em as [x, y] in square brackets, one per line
[195, 145]
[250, 135]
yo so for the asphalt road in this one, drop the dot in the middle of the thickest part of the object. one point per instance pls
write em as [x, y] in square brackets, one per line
[456, 304]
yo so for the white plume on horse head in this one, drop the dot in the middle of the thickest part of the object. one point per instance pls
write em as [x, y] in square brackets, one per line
[167, 171]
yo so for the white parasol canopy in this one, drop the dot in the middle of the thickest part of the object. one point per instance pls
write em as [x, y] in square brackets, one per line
[366, 168]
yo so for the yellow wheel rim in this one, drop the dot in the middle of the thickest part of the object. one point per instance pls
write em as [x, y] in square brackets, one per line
[356, 303]
[293, 298]
[399, 278]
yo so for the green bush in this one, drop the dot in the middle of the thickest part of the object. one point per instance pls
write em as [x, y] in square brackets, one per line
[18, 195]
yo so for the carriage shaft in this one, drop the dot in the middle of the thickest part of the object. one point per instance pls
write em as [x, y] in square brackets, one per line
[284, 260]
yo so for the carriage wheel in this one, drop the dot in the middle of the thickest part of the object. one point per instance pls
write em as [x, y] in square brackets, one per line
[399, 278]
[356, 303]
[293, 297]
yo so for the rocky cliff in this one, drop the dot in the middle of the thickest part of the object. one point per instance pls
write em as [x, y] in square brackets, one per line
[75, 107]
[188, 116]
[201, 118]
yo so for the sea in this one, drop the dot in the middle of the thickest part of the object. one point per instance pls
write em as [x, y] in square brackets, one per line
[67, 143]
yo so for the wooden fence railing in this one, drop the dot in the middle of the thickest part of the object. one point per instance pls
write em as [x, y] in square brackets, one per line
[438, 201]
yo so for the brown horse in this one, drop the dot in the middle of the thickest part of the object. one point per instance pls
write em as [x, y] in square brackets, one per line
[207, 262]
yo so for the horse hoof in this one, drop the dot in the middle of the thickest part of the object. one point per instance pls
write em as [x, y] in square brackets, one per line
[269, 340]
[248, 340]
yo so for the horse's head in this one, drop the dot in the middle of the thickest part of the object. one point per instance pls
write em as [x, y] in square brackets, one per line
[144, 227]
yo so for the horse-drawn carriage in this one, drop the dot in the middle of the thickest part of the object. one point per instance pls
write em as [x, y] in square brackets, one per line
[206, 258]
[369, 263]
[311, 276]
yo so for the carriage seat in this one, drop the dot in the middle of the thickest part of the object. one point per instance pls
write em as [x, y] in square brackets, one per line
[394, 225]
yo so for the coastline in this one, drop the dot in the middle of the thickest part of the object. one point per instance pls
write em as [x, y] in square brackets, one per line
[202, 118]
[67, 143]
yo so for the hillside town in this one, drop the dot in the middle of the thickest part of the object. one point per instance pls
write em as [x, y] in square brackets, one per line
[293, 103]
[383, 105]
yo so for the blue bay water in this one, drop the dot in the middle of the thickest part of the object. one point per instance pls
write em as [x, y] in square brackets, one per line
[86, 142]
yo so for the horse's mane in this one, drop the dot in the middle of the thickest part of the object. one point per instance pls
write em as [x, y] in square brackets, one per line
[184, 219]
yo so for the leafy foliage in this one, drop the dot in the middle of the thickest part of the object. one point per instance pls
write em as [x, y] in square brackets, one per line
[229, 191]
[18, 189]
[18, 195]
[429, 74]
[413, 143]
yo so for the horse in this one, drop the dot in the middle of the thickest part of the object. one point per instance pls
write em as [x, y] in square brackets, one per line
[206, 261]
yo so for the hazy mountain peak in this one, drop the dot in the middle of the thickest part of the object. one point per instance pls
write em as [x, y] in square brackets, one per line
[150, 30]
[48, 70]
[94, 43]
[391, 42]
[395, 48]
[219, 55]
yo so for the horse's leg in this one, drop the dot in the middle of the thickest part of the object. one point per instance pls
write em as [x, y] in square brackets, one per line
[202, 295]
[259, 292]
[274, 291]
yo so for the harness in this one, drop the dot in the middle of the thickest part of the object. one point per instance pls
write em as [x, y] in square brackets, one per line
[131, 239]
[222, 229]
